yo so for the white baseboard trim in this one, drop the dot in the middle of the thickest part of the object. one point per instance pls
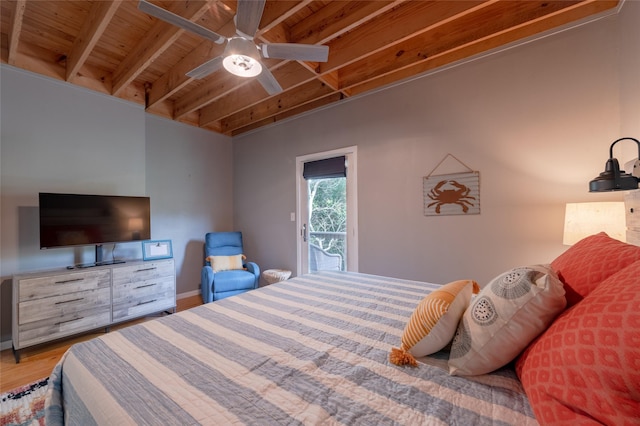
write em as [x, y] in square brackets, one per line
[7, 344]
[188, 294]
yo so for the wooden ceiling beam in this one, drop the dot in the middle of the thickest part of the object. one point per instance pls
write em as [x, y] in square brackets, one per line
[355, 79]
[352, 15]
[384, 31]
[493, 41]
[44, 62]
[330, 22]
[274, 15]
[216, 111]
[216, 85]
[92, 28]
[296, 97]
[507, 23]
[337, 18]
[176, 78]
[158, 39]
[310, 106]
[290, 75]
[16, 27]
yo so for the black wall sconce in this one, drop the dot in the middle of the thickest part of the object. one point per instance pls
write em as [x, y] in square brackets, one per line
[614, 179]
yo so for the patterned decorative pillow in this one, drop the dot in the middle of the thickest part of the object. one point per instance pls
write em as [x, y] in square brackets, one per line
[434, 321]
[586, 367]
[589, 262]
[504, 318]
[226, 263]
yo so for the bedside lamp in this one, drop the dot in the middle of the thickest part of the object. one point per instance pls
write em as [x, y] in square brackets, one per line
[614, 179]
[584, 219]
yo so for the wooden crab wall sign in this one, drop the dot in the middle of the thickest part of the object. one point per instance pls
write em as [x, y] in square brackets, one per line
[452, 194]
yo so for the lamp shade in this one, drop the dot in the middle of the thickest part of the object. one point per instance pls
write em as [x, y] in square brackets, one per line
[584, 219]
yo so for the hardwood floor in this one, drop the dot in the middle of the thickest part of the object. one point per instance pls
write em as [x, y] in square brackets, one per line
[38, 362]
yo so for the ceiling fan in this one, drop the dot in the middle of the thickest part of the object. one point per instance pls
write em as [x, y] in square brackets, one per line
[242, 55]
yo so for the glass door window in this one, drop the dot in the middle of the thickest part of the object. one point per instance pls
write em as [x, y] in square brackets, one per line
[327, 229]
[327, 211]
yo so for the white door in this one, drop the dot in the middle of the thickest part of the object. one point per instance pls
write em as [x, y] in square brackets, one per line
[327, 248]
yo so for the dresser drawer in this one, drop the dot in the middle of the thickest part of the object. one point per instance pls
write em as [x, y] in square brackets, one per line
[63, 306]
[143, 272]
[54, 285]
[45, 330]
[142, 290]
[137, 299]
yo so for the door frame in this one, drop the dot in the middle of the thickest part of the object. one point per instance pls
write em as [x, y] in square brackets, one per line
[351, 154]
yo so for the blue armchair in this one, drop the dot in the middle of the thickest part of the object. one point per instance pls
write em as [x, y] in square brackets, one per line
[218, 285]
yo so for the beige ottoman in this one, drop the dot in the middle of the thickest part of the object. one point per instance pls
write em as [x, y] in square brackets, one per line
[275, 275]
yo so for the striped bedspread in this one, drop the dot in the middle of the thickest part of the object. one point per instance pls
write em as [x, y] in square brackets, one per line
[310, 350]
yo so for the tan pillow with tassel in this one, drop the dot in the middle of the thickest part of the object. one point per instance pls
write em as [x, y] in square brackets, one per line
[434, 322]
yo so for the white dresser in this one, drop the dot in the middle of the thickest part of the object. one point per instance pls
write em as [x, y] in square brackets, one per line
[53, 304]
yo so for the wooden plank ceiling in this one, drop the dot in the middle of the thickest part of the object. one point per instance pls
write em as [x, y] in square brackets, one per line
[113, 48]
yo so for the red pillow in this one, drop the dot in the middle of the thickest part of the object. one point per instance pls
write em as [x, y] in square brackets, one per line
[589, 262]
[586, 367]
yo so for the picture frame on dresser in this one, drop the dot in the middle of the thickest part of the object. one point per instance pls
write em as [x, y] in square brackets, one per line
[157, 249]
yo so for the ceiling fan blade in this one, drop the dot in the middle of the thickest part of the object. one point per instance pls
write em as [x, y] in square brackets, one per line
[298, 52]
[207, 68]
[248, 17]
[268, 81]
[179, 21]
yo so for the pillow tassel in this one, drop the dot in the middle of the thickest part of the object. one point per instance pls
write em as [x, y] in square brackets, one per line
[402, 357]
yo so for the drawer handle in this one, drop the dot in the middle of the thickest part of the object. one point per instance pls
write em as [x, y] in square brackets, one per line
[69, 301]
[146, 269]
[146, 285]
[71, 320]
[144, 303]
[69, 281]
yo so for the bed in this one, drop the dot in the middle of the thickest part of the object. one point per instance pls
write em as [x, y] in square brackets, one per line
[321, 349]
[310, 350]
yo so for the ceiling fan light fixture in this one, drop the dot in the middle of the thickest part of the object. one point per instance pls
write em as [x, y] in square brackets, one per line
[241, 58]
[242, 66]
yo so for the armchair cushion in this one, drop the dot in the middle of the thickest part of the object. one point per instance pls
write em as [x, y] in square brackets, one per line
[226, 263]
[234, 280]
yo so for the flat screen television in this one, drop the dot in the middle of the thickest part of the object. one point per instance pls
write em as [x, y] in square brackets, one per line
[75, 219]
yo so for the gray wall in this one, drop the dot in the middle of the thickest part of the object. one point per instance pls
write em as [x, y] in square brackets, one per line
[629, 69]
[189, 180]
[59, 138]
[536, 121]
